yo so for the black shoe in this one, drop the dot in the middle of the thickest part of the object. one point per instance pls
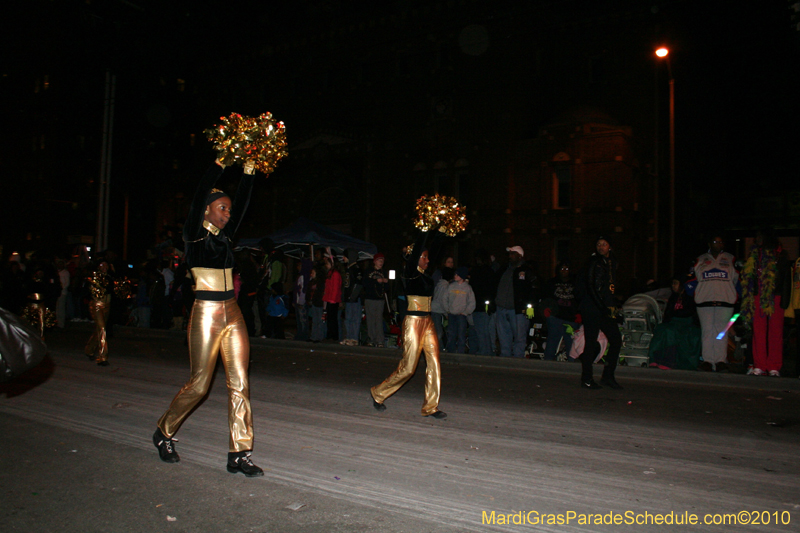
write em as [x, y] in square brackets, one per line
[722, 367]
[166, 450]
[378, 406]
[705, 366]
[611, 383]
[103, 363]
[241, 462]
[438, 414]
[591, 384]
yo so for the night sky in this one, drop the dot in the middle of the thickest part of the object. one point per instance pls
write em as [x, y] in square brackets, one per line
[372, 69]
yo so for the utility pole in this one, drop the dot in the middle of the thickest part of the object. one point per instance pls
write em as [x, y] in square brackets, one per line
[104, 186]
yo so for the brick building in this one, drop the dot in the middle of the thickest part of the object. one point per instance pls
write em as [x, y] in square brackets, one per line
[552, 194]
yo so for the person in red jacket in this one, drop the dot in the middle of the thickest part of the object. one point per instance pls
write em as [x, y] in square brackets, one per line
[332, 296]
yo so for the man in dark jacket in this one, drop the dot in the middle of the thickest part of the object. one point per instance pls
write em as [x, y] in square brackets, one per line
[515, 295]
[352, 294]
[375, 281]
[484, 283]
[598, 309]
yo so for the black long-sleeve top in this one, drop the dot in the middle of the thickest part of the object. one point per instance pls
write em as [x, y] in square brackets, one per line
[601, 274]
[418, 283]
[203, 248]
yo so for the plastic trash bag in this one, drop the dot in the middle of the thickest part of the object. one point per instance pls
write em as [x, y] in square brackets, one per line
[21, 347]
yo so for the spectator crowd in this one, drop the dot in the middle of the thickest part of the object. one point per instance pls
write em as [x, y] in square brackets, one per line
[718, 312]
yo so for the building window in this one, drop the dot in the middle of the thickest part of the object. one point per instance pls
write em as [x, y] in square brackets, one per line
[562, 186]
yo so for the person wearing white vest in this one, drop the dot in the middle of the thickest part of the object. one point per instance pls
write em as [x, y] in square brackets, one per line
[715, 293]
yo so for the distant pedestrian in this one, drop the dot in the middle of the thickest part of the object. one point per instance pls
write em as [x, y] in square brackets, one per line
[560, 308]
[460, 304]
[483, 281]
[515, 295]
[439, 305]
[352, 295]
[332, 297]
[315, 293]
[277, 311]
[447, 262]
[61, 305]
[301, 299]
[375, 281]
[766, 291]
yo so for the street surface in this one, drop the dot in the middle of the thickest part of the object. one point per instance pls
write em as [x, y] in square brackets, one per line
[520, 436]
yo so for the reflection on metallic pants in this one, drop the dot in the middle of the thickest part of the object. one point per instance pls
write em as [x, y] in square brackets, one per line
[98, 344]
[418, 335]
[216, 327]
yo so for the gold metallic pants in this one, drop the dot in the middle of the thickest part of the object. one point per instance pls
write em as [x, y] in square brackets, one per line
[39, 311]
[214, 328]
[98, 344]
[419, 334]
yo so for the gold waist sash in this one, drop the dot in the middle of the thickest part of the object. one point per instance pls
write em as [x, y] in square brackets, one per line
[419, 303]
[213, 279]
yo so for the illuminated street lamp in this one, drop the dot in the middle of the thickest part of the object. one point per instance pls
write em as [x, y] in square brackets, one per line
[664, 54]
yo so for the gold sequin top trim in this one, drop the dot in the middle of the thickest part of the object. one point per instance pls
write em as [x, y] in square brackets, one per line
[213, 279]
[419, 303]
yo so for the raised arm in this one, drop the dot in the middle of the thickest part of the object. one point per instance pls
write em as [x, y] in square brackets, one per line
[194, 221]
[425, 240]
[242, 199]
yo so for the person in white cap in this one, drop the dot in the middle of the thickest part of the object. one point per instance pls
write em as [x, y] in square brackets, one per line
[515, 293]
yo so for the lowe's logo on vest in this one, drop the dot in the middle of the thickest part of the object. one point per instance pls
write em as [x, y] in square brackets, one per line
[715, 273]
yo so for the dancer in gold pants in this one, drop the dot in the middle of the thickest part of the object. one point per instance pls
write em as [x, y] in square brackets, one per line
[418, 335]
[99, 309]
[216, 326]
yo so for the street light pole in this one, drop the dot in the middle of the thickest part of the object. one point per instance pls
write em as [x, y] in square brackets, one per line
[656, 183]
[664, 53]
[671, 169]
[104, 190]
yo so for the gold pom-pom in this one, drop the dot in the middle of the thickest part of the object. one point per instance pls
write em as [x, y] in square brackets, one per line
[32, 314]
[39, 316]
[122, 288]
[259, 139]
[50, 319]
[441, 212]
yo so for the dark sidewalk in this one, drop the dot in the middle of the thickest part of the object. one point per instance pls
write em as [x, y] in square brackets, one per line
[735, 378]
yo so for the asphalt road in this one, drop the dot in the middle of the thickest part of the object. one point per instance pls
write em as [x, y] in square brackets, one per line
[521, 437]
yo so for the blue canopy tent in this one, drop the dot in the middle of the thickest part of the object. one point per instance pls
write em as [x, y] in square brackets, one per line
[299, 240]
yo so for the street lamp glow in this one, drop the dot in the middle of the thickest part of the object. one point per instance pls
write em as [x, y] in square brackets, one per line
[662, 52]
